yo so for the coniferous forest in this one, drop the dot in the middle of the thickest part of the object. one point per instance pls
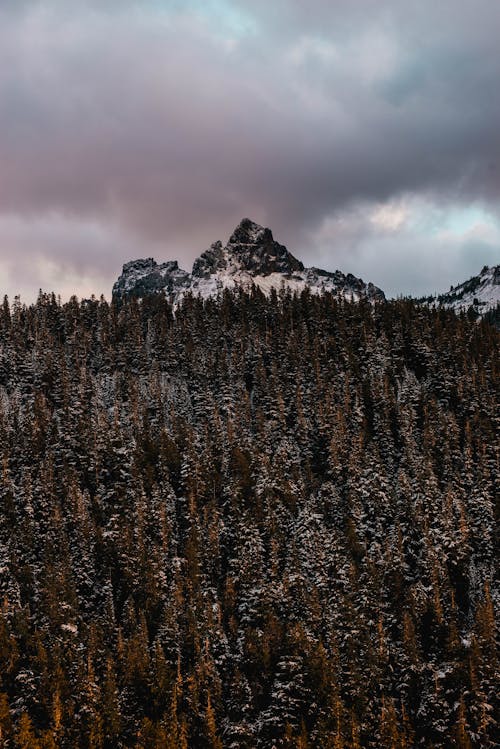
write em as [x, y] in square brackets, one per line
[257, 522]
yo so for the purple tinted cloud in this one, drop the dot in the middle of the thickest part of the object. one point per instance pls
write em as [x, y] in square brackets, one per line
[152, 128]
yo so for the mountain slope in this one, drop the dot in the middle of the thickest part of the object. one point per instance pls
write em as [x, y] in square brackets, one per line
[251, 257]
[480, 293]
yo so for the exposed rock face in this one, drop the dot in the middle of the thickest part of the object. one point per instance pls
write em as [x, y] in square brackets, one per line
[258, 253]
[210, 261]
[251, 257]
[142, 277]
[251, 248]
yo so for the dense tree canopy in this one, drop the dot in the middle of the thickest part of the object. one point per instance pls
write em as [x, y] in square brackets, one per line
[256, 522]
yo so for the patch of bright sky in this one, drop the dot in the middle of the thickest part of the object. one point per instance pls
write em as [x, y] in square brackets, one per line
[221, 15]
[451, 241]
[390, 216]
[439, 222]
[473, 219]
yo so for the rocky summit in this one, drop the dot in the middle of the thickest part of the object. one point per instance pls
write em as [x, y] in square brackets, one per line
[251, 257]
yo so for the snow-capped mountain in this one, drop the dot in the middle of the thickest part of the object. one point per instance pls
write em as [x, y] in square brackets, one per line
[480, 293]
[251, 257]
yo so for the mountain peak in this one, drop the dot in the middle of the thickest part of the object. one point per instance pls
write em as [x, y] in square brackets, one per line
[254, 250]
[251, 257]
[248, 232]
[251, 250]
[146, 276]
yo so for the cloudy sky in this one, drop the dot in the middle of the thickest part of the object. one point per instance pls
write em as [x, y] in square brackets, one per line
[365, 133]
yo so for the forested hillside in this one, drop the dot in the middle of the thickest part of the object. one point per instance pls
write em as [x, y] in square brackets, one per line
[261, 522]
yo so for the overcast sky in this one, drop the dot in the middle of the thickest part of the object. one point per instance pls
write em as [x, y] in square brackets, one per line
[364, 133]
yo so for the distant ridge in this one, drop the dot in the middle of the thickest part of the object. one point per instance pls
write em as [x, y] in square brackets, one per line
[479, 295]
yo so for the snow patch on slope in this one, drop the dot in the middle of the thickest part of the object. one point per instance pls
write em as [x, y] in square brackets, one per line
[481, 292]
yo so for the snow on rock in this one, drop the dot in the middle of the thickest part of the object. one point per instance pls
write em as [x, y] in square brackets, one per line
[141, 277]
[250, 258]
[481, 293]
[71, 628]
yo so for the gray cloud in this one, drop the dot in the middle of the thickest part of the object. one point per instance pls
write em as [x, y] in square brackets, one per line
[163, 123]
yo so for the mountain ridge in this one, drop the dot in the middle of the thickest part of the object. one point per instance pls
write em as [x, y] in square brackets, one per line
[479, 295]
[251, 257]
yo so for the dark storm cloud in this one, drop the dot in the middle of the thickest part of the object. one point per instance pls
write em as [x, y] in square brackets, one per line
[152, 127]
